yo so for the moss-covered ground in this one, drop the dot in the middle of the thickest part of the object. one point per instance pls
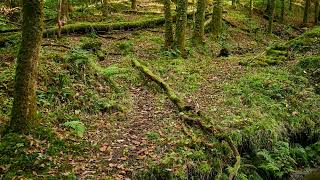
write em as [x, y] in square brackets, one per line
[100, 118]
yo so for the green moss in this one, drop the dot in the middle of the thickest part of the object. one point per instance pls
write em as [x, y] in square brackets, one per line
[91, 44]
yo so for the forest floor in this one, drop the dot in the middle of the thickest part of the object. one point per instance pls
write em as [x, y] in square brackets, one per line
[103, 119]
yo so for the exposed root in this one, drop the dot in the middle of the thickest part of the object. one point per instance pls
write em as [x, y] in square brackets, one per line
[235, 151]
[197, 122]
[169, 91]
[196, 140]
[190, 120]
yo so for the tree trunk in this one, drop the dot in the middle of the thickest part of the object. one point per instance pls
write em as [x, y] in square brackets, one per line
[268, 6]
[290, 5]
[271, 16]
[198, 32]
[64, 11]
[181, 26]
[134, 4]
[306, 11]
[250, 8]
[105, 8]
[24, 105]
[316, 12]
[216, 24]
[282, 10]
[233, 3]
[168, 24]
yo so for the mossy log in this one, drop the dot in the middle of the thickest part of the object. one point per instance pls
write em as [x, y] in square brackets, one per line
[169, 91]
[85, 27]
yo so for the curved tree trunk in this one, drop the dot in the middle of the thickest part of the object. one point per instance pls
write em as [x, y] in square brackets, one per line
[181, 26]
[198, 32]
[271, 16]
[216, 24]
[306, 11]
[24, 105]
[168, 24]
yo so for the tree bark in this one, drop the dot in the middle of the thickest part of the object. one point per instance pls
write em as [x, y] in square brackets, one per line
[181, 26]
[306, 11]
[316, 12]
[198, 32]
[65, 11]
[290, 5]
[271, 16]
[105, 8]
[216, 24]
[24, 105]
[250, 8]
[168, 24]
[282, 10]
[134, 4]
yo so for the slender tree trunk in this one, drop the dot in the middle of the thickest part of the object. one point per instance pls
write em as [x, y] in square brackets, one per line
[198, 32]
[233, 3]
[271, 16]
[250, 8]
[268, 6]
[306, 11]
[24, 105]
[316, 12]
[168, 24]
[216, 24]
[282, 10]
[134, 4]
[290, 5]
[65, 11]
[105, 8]
[181, 26]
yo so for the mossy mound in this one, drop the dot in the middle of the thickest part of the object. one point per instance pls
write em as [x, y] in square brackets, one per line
[307, 42]
[310, 66]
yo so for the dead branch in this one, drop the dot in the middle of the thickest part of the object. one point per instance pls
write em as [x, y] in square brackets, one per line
[56, 45]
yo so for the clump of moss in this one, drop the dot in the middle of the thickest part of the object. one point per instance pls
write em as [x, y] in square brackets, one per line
[91, 44]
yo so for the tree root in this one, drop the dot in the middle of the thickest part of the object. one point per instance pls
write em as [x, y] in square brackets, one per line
[217, 132]
[235, 151]
[169, 91]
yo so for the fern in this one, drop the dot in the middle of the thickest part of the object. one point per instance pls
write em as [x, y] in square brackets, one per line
[77, 126]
